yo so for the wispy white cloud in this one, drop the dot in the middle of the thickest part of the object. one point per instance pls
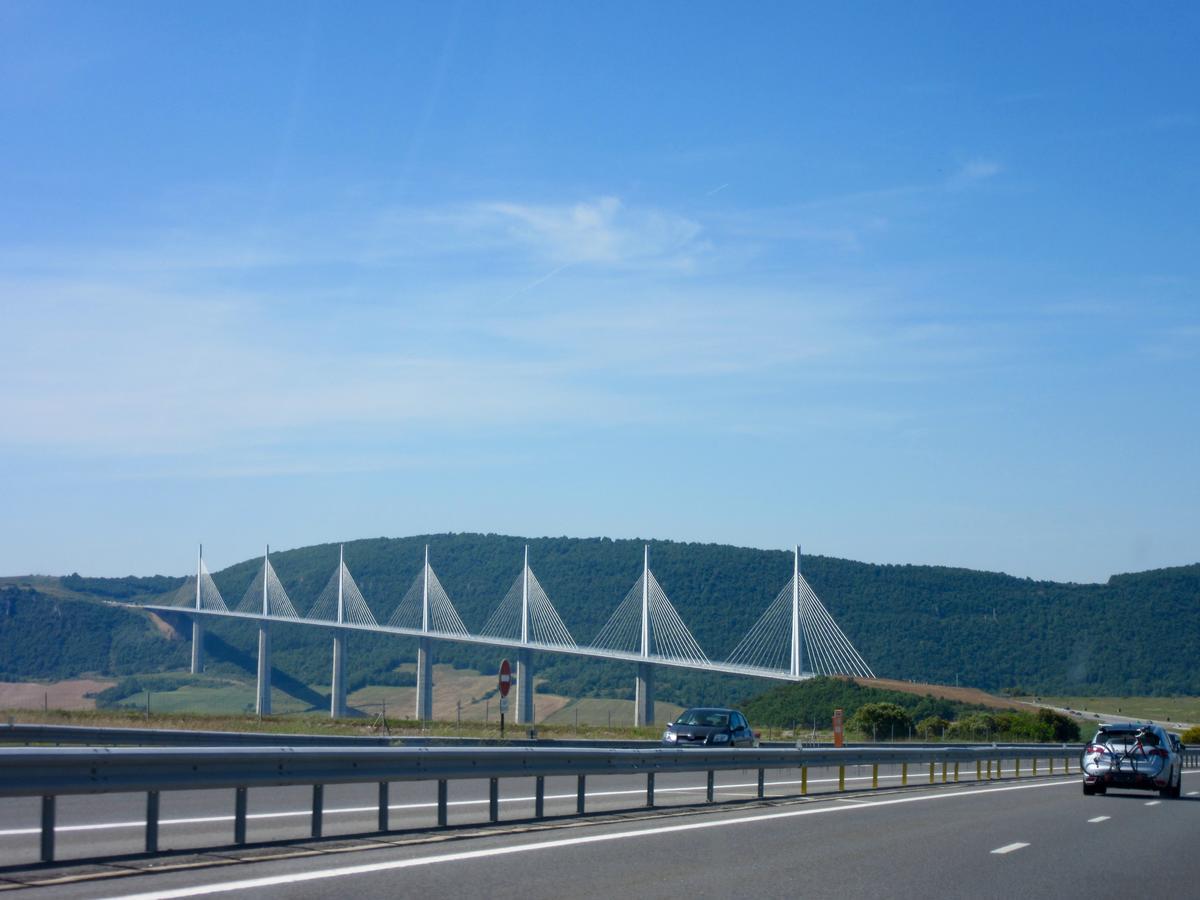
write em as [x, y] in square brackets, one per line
[600, 232]
[974, 171]
[1181, 343]
[382, 322]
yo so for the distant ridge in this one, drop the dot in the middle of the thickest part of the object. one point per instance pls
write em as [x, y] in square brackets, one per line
[931, 624]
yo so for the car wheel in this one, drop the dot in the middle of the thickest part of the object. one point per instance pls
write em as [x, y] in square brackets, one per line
[1088, 789]
[1101, 788]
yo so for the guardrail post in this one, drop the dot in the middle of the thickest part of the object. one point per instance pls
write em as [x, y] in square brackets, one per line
[762, 783]
[1066, 765]
[239, 815]
[383, 806]
[903, 773]
[1035, 766]
[931, 771]
[943, 771]
[978, 770]
[47, 829]
[841, 778]
[539, 796]
[1017, 768]
[875, 775]
[151, 821]
[1051, 765]
[441, 803]
[708, 792]
[318, 808]
[999, 773]
[580, 794]
[650, 789]
[956, 773]
[803, 780]
[989, 770]
[493, 799]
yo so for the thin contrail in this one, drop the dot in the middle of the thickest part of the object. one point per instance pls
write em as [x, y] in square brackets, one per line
[541, 280]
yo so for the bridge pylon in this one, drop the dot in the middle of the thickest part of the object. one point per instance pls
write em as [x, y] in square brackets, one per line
[424, 711]
[262, 702]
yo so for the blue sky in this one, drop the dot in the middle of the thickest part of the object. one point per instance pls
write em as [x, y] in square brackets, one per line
[900, 282]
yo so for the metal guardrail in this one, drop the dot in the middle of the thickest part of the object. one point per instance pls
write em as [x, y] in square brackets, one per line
[51, 772]
[24, 733]
[21, 733]
[94, 736]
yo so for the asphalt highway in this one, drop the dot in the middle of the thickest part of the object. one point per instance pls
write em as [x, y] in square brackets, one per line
[1027, 837]
[110, 824]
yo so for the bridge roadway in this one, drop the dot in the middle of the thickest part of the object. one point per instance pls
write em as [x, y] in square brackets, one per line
[1028, 837]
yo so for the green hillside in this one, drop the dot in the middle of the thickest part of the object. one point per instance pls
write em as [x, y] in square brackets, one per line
[1136, 634]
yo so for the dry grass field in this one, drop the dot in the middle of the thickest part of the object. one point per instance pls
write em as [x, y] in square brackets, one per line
[944, 691]
[51, 695]
[458, 695]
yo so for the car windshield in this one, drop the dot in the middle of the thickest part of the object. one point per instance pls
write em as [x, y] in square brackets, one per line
[1123, 740]
[708, 717]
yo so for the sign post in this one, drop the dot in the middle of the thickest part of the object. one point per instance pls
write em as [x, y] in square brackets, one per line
[505, 684]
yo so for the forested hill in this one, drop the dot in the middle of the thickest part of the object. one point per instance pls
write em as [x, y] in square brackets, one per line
[1136, 634]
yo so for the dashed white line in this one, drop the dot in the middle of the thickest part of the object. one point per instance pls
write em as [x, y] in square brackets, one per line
[1009, 848]
[1153, 802]
[1100, 819]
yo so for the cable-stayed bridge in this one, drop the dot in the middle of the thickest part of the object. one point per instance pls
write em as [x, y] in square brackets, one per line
[795, 638]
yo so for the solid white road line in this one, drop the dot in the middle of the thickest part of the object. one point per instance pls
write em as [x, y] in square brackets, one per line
[320, 874]
[1100, 819]
[1009, 848]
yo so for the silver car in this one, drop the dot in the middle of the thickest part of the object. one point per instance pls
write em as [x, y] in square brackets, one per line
[1132, 755]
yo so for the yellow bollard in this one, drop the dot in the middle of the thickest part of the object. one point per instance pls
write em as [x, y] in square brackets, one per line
[989, 770]
[943, 771]
[1066, 765]
[1017, 774]
[875, 775]
[931, 771]
[841, 778]
[978, 770]
[804, 779]
[1052, 765]
[999, 774]
[1035, 767]
[956, 773]
[904, 773]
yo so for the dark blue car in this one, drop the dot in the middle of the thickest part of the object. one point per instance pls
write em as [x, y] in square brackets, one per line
[710, 726]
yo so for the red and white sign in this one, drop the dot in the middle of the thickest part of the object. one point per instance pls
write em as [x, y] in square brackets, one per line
[837, 728]
[505, 677]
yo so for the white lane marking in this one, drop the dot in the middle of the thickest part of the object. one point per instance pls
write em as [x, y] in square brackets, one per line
[366, 868]
[359, 810]
[1009, 848]
[1153, 802]
[1100, 819]
[1193, 793]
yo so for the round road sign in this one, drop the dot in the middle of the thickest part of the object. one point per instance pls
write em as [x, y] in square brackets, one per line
[505, 677]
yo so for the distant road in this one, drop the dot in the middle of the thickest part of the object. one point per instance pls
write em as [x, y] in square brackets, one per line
[1109, 716]
[1034, 838]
